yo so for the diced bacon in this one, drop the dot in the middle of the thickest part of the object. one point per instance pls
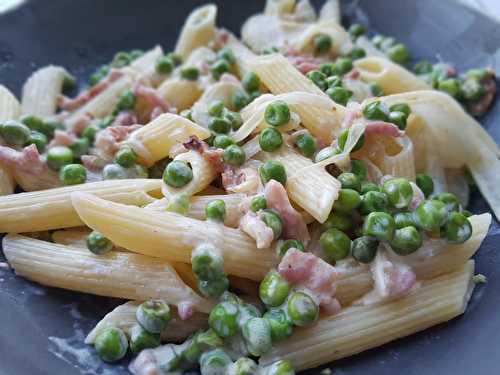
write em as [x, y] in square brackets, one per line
[194, 143]
[124, 118]
[253, 225]
[93, 163]
[383, 128]
[210, 154]
[293, 222]
[145, 364]
[185, 310]
[220, 39]
[81, 123]
[85, 96]
[28, 168]
[312, 274]
[62, 138]
[241, 180]
[304, 63]
[108, 141]
[149, 95]
[352, 75]
[392, 279]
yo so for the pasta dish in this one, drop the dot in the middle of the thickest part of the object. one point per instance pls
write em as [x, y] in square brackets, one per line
[263, 204]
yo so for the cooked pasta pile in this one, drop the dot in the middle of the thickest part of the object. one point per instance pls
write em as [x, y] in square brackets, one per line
[264, 205]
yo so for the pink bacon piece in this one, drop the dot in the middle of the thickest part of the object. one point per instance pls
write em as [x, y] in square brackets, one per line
[62, 138]
[253, 225]
[108, 140]
[383, 128]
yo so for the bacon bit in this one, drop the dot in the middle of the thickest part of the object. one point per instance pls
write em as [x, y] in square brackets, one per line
[221, 38]
[304, 63]
[383, 128]
[317, 277]
[81, 123]
[211, 155]
[253, 225]
[62, 138]
[353, 75]
[28, 168]
[93, 163]
[185, 310]
[108, 140]
[232, 177]
[72, 104]
[293, 222]
[481, 106]
[194, 143]
[124, 118]
[150, 95]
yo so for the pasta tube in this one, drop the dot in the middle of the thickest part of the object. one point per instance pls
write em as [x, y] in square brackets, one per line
[123, 317]
[171, 236]
[179, 93]
[74, 237]
[41, 90]
[114, 274]
[52, 209]
[356, 329]
[9, 106]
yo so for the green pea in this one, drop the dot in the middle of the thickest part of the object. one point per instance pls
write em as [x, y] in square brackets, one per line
[192, 351]
[257, 336]
[450, 86]
[234, 118]
[215, 108]
[15, 133]
[426, 184]
[250, 82]
[322, 43]
[335, 244]
[213, 288]
[302, 310]
[37, 124]
[219, 125]
[357, 53]
[215, 210]
[342, 140]
[430, 215]
[244, 366]
[179, 203]
[450, 201]
[270, 140]
[258, 203]
[377, 40]
[106, 121]
[349, 180]
[125, 157]
[273, 289]
[398, 53]
[273, 221]
[374, 201]
[114, 172]
[223, 141]
[334, 81]
[89, 133]
[387, 43]
[406, 240]
[281, 367]
[111, 344]
[58, 157]
[208, 340]
[318, 78]
[177, 174]
[290, 244]
[99, 74]
[398, 119]
[214, 362]
[339, 95]
[306, 144]
[423, 67]
[120, 60]
[234, 155]
[227, 54]
[223, 319]
[247, 311]
[343, 65]
[126, 101]
[347, 200]
[359, 169]
[326, 153]
[206, 264]
[153, 315]
[367, 186]
[277, 113]
[141, 339]
[73, 174]
[219, 67]
[376, 111]
[472, 90]
[477, 74]
[164, 65]
[272, 170]
[401, 107]
[38, 139]
[375, 89]
[190, 73]
[187, 113]
[356, 30]
[458, 228]
[80, 147]
[281, 327]
[399, 192]
[380, 225]
[239, 99]
[339, 221]
[404, 219]
[327, 69]
[364, 249]
[69, 82]
[98, 244]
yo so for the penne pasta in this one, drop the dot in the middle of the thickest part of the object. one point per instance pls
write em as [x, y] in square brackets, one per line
[41, 90]
[10, 108]
[145, 65]
[172, 236]
[279, 7]
[52, 209]
[123, 317]
[198, 30]
[74, 237]
[331, 11]
[155, 140]
[114, 274]
[356, 329]
[180, 93]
